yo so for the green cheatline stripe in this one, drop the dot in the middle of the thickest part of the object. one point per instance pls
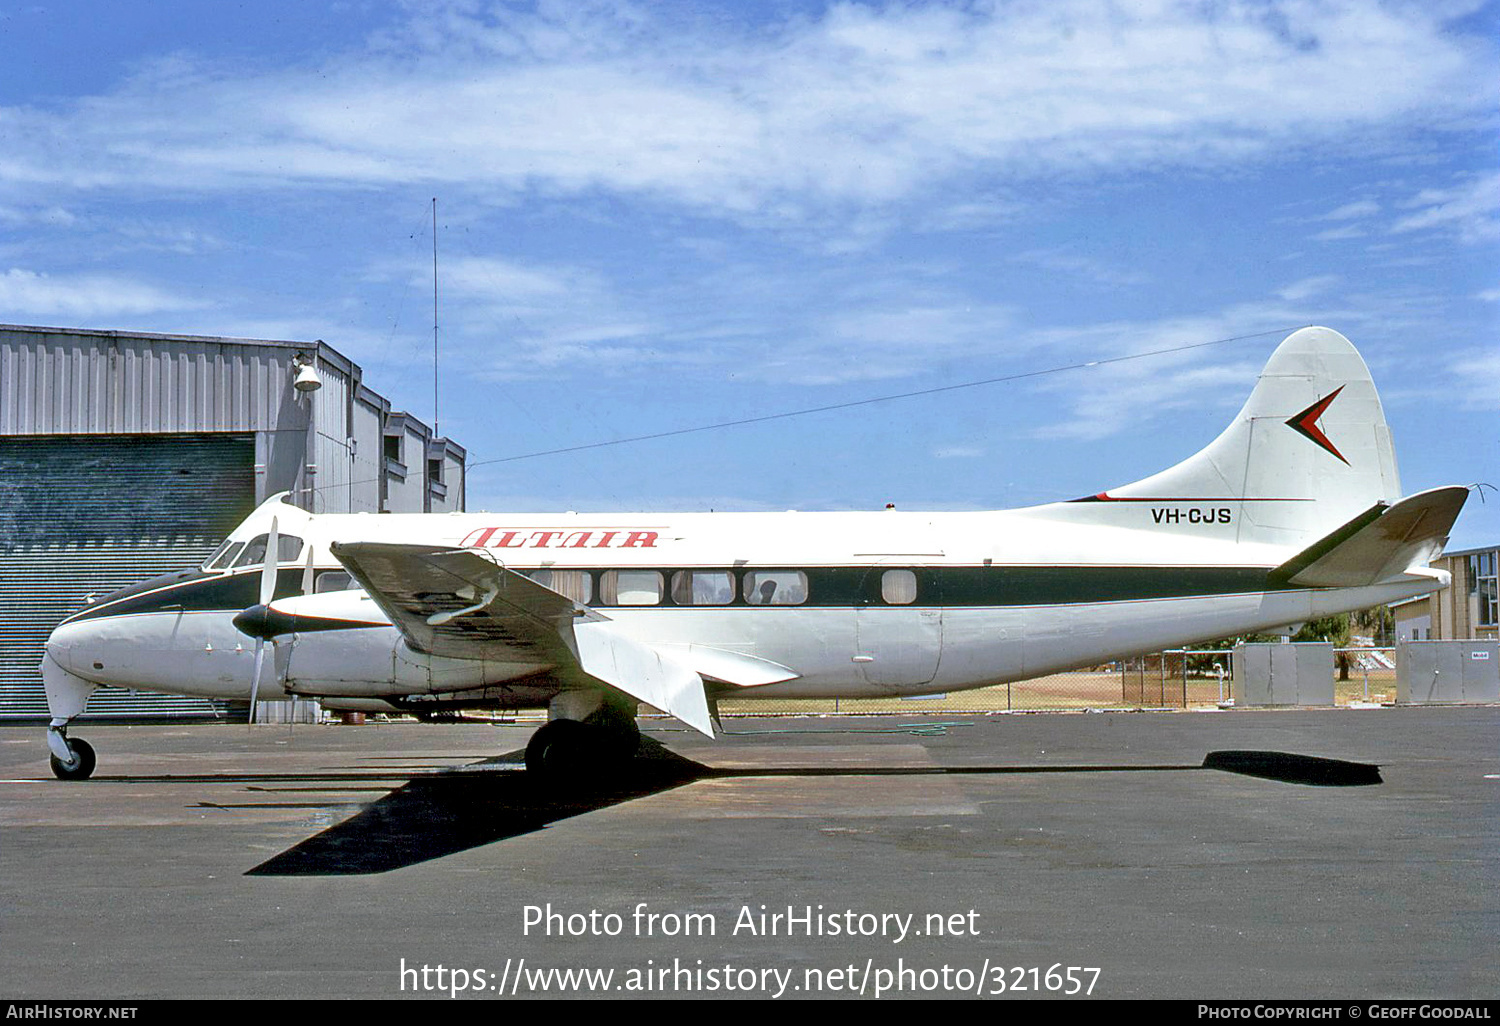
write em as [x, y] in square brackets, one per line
[856, 587]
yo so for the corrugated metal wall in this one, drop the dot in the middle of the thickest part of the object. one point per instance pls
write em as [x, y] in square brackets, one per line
[368, 463]
[90, 515]
[173, 437]
[65, 383]
[332, 481]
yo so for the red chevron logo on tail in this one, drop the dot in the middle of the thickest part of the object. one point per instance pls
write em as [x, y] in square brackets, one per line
[1306, 423]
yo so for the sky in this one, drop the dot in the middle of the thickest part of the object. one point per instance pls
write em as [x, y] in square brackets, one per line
[660, 216]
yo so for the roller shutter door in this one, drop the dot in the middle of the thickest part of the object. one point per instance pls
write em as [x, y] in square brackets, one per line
[83, 515]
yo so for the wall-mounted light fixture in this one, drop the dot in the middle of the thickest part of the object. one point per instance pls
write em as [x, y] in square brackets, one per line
[307, 379]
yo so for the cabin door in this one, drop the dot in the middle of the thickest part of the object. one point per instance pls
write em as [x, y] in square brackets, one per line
[899, 626]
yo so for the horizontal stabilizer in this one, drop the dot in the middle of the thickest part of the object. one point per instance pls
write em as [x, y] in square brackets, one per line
[1380, 544]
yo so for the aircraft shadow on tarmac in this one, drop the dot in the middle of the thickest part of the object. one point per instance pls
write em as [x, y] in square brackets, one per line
[455, 810]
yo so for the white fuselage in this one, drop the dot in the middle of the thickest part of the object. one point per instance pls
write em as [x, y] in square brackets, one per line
[975, 599]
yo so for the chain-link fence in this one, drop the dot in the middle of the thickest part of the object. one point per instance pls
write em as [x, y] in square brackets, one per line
[1175, 679]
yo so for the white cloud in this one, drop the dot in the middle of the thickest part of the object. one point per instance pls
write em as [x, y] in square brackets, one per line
[31, 294]
[1347, 231]
[867, 339]
[1474, 375]
[1077, 265]
[156, 236]
[1113, 398]
[508, 281]
[858, 106]
[1189, 370]
[528, 320]
[55, 217]
[1350, 211]
[967, 216]
[1308, 287]
[1471, 209]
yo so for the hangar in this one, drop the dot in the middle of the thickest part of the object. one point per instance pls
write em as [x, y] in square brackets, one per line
[125, 454]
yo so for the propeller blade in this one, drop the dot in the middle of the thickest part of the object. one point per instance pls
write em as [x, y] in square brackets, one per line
[307, 573]
[268, 575]
[260, 654]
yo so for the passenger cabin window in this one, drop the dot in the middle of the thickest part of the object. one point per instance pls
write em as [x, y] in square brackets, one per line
[630, 587]
[775, 587]
[577, 585]
[898, 587]
[334, 580]
[288, 548]
[703, 587]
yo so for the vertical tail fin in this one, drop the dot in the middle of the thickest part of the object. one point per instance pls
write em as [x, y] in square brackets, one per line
[1309, 451]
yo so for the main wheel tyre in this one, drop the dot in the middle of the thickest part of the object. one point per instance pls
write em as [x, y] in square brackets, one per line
[83, 762]
[560, 750]
[618, 740]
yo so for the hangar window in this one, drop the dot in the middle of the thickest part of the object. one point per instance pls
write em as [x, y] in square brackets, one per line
[577, 585]
[775, 587]
[288, 547]
[630, 587]
[703, 587]
[898, 587]
[1482, 587]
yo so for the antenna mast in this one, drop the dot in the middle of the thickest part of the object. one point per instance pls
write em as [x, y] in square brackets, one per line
[434, 321]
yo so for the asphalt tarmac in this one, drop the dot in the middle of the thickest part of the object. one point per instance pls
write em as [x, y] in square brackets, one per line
[1321, 854]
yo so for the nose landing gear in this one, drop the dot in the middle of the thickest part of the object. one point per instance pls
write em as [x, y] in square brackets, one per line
[72, 759]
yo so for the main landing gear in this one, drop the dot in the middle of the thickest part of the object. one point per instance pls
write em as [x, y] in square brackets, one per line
[71, 758]
[573, 749]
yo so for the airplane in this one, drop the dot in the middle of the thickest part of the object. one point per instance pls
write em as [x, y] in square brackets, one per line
[1293, 512]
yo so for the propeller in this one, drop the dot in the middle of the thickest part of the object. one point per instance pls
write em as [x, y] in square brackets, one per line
[260, 621]
[267, 593]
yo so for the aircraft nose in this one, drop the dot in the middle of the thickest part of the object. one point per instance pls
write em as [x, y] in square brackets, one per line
[66, 641]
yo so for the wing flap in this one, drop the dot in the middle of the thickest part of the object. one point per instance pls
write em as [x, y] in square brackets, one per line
[643, 672]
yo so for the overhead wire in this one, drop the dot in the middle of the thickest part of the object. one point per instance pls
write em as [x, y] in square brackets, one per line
[855, 403]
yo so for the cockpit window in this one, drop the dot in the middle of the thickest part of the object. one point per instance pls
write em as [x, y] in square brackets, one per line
[223, 555]
[288, 548]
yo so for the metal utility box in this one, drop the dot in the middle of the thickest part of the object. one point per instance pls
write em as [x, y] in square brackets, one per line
[1284, 674]
[1447, 671]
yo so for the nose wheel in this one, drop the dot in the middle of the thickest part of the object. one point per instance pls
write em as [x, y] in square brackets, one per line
[79, 765]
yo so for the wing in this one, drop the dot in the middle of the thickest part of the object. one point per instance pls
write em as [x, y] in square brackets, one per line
[458, 603]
